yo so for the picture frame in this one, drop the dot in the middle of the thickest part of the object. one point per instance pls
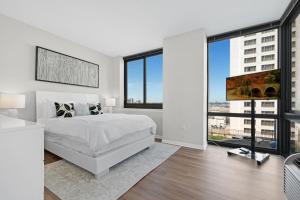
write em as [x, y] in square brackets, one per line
[55, 67]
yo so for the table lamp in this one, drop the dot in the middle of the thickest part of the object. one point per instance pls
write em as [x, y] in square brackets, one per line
[12, 102]
[110, 102]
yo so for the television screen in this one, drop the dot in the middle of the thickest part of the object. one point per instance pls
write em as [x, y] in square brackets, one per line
[257, 86]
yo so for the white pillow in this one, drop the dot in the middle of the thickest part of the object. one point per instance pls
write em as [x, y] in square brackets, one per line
[82, 109]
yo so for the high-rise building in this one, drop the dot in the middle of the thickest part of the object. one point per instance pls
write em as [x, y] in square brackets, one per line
[249, 54]
[295, 96]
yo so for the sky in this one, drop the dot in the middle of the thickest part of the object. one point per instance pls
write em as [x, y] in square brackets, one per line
[218, 66]
[154, 79]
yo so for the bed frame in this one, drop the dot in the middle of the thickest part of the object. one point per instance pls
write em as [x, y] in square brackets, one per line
[100, 165]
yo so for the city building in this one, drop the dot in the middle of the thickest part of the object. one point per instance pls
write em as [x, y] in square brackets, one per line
[295, 85]
[250, 54]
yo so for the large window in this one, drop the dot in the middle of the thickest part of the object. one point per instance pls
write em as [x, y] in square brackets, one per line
[143, 80]
[291, 81]
[229, 122]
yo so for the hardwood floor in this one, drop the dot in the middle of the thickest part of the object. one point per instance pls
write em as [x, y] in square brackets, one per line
[205, 175]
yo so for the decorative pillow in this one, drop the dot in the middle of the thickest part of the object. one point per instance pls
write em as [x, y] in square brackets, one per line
[95, 109]
[82, 109]
[64, 109]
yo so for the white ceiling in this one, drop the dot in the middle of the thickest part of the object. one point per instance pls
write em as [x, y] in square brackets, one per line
[124, 27]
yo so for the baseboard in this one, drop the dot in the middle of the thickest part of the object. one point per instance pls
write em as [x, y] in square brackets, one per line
[184, 144]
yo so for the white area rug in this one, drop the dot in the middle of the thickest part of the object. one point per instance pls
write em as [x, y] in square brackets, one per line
[70, 182]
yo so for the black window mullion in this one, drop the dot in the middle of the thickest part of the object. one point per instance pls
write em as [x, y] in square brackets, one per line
[287, 114]
[125, 83]
[145, 81]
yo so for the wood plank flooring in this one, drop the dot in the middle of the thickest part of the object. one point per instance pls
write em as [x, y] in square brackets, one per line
[205, 175]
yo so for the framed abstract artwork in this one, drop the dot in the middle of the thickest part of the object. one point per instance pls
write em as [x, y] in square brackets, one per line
[55, 67]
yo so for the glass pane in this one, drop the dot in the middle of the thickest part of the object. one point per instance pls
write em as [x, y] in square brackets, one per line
[295, 94]
[235, 130]
[295, 137]
[239, 56]
[218, 66]
[229, 129]
[266, 133]
[135, 77]
[154, 79]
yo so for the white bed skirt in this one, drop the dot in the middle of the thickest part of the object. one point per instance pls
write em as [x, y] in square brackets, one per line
[99, 165]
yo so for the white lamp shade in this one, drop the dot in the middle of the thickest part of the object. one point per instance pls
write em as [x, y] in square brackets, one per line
[110, 102]
[12, 101]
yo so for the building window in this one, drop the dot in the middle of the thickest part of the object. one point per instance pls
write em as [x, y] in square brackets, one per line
[294, 44]
[268, 48]
[267, 104]
[250, 60]
[143, 80]
[268, 39]
[268, 67]
[293, 33]
[293, 94]
[250, 42]
[267, 112]
[293, 64]
[247, 111]
[247, 130]
[247, 104]
[268, 57]
[293, 74]
[247, 121]
[293, 84]
[250, 69]
[250, 51]
[267, 132]
[267, 122]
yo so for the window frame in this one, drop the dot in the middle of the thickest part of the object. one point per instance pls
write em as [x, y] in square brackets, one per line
[288, 115]
[234, 34]
[140, 56]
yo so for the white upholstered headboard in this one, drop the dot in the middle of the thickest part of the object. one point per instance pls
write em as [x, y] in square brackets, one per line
[45, 107]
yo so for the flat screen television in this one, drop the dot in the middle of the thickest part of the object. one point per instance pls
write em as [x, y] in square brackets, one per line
[256, 86]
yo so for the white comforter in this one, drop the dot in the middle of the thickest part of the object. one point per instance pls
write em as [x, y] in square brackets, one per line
[100, 130]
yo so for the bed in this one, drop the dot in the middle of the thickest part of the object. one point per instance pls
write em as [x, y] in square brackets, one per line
[93, 142]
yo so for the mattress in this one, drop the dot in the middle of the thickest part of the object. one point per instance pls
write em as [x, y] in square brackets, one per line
[98, 131]
[82, 147]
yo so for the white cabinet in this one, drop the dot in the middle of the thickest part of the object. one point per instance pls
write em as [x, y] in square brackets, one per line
[21, 160]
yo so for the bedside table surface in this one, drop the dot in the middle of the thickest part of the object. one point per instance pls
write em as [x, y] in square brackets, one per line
[13, 124]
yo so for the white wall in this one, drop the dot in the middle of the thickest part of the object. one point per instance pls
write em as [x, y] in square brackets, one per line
[185, 80]
[184, 74]
[17, 63]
